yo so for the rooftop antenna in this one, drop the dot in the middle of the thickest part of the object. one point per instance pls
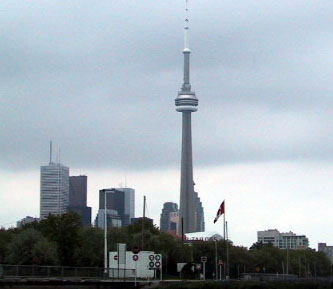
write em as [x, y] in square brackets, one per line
[50, 151]
[59, 156]
[186, 28]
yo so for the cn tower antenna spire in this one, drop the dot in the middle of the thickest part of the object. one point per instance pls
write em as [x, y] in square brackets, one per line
[186, 28]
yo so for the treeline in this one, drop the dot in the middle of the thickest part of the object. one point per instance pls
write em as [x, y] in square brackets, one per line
[61, 240]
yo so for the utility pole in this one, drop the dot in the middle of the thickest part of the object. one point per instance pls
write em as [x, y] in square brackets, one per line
[143, 222]
[216, 272]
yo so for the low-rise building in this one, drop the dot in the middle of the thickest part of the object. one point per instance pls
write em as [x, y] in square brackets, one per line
[112, 218]
[328, 250]
[26, 220]
[287, 240]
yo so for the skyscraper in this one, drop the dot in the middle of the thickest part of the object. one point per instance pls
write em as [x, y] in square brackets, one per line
[78, 198]
[120, 200]
[54, 188]
[199, 214]
[166, 223]
[186, 103]
[129, 201]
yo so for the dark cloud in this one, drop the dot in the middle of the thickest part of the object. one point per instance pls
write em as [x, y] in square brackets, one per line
[100, 79]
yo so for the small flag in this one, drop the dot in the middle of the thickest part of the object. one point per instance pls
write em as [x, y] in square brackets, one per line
[220, 212]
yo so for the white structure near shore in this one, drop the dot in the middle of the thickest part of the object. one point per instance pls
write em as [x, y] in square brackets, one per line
[279, 240]
[141, 265]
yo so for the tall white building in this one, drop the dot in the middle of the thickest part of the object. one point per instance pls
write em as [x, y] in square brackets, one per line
[54, 189]
[283, 240]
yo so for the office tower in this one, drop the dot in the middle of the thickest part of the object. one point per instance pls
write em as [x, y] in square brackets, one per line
[113, 219]
[129, 201]
[186, 103]
[120, 200]
[287, 240]
[78, 198]
[166, 224]
[199, 214]
[54, 188]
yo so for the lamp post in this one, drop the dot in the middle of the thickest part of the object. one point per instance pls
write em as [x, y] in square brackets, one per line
[105, 238]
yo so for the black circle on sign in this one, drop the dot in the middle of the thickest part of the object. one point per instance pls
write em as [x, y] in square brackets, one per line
[151, 264]
[151, 257]
[157, 257]
[115, 257]
[135, 257]
[157, 264]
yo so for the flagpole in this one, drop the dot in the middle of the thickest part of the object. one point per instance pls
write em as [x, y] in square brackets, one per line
[224, 267]
[226, 228]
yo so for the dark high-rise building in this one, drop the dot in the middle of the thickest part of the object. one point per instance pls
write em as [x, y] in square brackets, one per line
[78, 198]
[115, 200]
[78, 190]
[166, 223]
[199, 214]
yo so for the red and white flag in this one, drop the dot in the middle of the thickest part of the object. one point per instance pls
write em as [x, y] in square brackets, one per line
[220, 212]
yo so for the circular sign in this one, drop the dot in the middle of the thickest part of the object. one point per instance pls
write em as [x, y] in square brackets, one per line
[203, 259]
[157, 257]
[135, 250]
[157, 264]
[115, 257]
[151, 264]
[220, 262]
[135, 257]
[151, 257]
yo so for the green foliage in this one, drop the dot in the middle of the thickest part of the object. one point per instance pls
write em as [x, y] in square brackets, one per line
[62, 240]
[5, 238]
[91, 251]
[29, 247]
[64, 231]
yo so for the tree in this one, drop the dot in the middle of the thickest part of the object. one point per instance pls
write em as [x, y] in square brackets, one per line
[29, 247]
[64, 231]
[91, 251]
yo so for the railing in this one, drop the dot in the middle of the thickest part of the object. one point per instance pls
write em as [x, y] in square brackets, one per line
[28, 271]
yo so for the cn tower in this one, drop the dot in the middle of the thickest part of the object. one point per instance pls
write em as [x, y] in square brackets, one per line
[186, 103]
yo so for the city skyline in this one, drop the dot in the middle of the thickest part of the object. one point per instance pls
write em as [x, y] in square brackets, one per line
[100, 81]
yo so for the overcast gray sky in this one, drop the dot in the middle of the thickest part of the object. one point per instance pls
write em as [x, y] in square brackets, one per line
[99, 79]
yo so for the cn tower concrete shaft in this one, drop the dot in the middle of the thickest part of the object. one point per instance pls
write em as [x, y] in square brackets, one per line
[187, 210]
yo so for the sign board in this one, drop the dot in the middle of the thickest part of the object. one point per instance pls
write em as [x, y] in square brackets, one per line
[155, 261]
[180, 266]
[121, 249]
[220, 262]
[203, 259]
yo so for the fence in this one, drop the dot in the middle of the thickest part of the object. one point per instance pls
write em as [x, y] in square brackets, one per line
[27, 271]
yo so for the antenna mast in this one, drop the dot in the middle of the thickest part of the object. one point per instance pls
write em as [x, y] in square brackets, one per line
[50, 151]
